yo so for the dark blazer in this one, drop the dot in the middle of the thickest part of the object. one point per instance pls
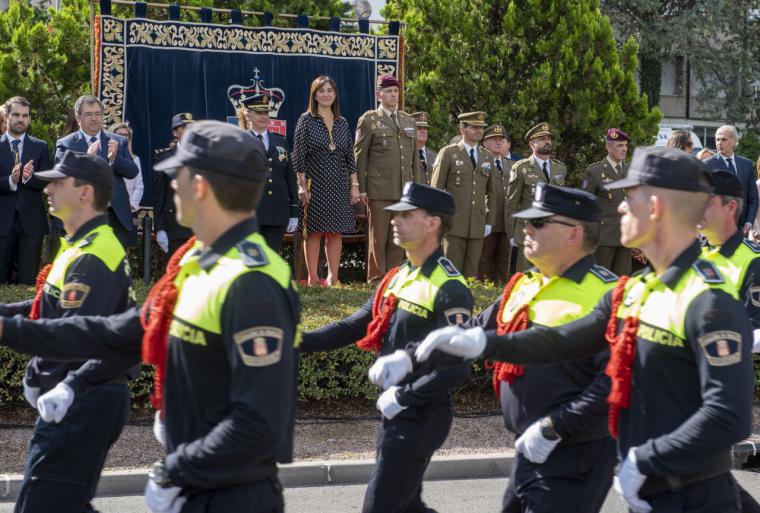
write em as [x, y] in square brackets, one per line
[123, 167]
[279, 201]
[745, 170]
[28, 196]
[164, 211]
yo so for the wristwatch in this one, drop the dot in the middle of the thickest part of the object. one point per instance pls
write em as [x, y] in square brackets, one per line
[547, 429]
[159, 475]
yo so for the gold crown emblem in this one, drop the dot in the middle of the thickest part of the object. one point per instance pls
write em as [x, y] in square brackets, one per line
[497, 129]
[545, 127]
[188, 116]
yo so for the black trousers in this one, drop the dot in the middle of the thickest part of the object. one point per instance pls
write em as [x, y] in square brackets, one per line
[65, 460]
[720, 493]
[574, 479]
[20, 251]
[273, 236]
[263, 496]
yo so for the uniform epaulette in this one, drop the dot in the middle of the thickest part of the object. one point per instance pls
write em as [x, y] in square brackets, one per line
[557, 161]
[87, 240]
[448, 267]
[252, 254]
[603, 273]
[754, 246]
[368, 113]
[708, 271]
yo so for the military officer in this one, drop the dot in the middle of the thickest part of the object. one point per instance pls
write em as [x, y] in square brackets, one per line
[466, 170]
[386, 158]
[676, 327]
[278, 210]
[225, 380]
[613, 167]
[523, 178]
[427, 156]
[426, 292]
[170, 235]
[494, 260]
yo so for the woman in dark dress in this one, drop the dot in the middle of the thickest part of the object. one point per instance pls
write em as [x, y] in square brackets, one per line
[323, 159]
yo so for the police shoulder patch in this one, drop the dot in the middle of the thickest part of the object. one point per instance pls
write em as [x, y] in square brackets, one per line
[721, 348]
[754, 246]
[448, 267]
[87, 240]
[707, 271]
[73, 295]
[456, 316]
[252, 254]
[259, 346]
[603, 273]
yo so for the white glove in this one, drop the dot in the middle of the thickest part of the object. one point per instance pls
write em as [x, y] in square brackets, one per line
[163, 500]
[534, 445]
[159, 429]
[390, 369]
[488, 230]
[31, 394]
[756, 345]
[163, 240]
[629, 481]
[469, 344]
[54, 404]
[388, 404]
[292, 225]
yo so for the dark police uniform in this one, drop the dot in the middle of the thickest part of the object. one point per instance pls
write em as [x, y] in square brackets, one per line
[230, 382]
[429, 297]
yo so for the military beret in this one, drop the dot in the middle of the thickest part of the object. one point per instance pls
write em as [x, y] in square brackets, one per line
[615, 135]
[538, 130]
[552, 200]
[421, 119]
[726, 183]
[182, 119]
[432, 199]
[384, 81]
[667, 168]
[476, 118]
[257, 102]
[494, 131]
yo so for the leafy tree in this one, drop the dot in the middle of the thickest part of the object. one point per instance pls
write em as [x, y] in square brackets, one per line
[523, 63]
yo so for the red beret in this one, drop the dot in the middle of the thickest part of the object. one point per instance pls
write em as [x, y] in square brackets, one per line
[384, 81]
[615, 135]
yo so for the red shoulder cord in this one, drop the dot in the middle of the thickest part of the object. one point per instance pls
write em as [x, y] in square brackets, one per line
[34, 313]
[155, 318]
[505, 371]
[382, 310]
[622, 351]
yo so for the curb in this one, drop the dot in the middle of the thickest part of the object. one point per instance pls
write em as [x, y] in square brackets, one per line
[309, 473]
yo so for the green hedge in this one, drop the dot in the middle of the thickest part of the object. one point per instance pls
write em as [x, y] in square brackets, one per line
[335, 375]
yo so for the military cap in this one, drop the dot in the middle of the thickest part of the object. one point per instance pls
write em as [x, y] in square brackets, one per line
[538, 130]
[220, 148]
[421, 119]
[384, 81]
[615, 135]
[726, 183]
[552, 200]
[257, 102]
[432, 199]
[494, 131]
[668, 168]
[182, 119]
[476, 118]
[90, 168]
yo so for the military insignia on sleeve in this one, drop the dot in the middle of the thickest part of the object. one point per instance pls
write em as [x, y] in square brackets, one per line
[603, 273]
[283, 155]
[252, 254]
[707, 271]
[754, 246]
[754, 295]
[260, 346]
[73, 295]
[456, 316]
[448, 267]
[721, 348]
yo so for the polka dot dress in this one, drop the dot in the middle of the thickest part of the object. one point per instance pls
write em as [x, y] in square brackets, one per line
[329, 170]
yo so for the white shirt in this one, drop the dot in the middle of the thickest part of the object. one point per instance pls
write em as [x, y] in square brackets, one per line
[88, 137]
[135, 187]
[467, 148]
[725, 160]
[20, 139]
[264, 137]
[541, 163]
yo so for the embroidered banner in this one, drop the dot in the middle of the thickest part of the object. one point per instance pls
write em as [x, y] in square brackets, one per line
[147, 70]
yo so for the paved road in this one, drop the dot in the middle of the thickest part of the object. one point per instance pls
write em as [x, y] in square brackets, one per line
[464, 496]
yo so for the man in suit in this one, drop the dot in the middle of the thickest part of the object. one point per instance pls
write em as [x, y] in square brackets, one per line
[427, 156]
[386, 158]
[93, 139]
[494, 260]
[466, 170]
[170, 235]
[524, 177]
[726, 139]
[278, 209]
[23, 219]
[610, 253]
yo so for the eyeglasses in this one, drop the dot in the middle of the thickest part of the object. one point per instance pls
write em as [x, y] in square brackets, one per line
[540, 223]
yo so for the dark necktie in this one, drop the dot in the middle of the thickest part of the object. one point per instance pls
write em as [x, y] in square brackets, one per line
[546, 172]
[472, 158]
[16, 158]
[422, 159]
[395, 120]
[93, 139]
[498, 166]
[260, 137]
[731, 167]
[619, 170]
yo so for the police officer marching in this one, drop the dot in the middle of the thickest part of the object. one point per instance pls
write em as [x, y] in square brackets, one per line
[422, 294]
[225, 380]
[525, 175]
[89, 276]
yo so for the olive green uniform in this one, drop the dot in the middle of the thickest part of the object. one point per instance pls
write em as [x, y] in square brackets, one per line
[494, 259]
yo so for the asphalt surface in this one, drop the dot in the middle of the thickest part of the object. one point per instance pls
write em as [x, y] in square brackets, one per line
[461, 496]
